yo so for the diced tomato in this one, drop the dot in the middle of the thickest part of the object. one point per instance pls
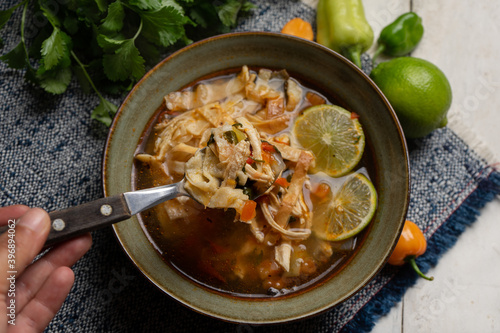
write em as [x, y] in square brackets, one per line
[315, 99]
[354, 115]
[282, 182]
[266, 146]
[216, 248]
[248, 212]
[266, 157]
[321, 191]
[308, 266]
[207, 267]
[268, 268]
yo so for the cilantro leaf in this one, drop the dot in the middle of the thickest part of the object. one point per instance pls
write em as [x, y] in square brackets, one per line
[99, 32]
[51, 16]
[146, 4]
[173, 3]
[101, 4]
[198, 18]
[35, 47]
[125, 63]
[114, 19]
[55, 81]
[16, 58]
[163, 27]
[71, 24]
[247, 6]
[228, 12]
[156, 4]
[30, 76]
[150, 52]
[109, 44]
[55, 47]
[82, 79]
[5, 16]
[104, 112]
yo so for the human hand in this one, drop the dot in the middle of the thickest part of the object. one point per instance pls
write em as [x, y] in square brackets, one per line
[41, 287]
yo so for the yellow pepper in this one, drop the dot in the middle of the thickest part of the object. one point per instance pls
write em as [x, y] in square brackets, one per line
[411, 244]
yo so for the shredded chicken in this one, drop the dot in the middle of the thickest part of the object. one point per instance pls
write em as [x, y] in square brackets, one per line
[292, 234]
[283, 253]
[293, 94]
[295, 189]
[271, 126]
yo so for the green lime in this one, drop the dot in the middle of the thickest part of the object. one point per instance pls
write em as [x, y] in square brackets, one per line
[418, 91]
[347, 212]
[335, 138]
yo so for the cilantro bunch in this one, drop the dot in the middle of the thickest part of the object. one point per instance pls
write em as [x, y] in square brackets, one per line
[108, 44]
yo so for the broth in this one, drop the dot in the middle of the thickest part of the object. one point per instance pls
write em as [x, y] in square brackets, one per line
[208, 246]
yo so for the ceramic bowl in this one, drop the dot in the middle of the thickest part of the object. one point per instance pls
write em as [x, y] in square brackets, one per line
[320, 66]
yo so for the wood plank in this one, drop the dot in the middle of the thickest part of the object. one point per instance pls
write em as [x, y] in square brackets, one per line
[462, 39]
[465, 293]
[392, 322]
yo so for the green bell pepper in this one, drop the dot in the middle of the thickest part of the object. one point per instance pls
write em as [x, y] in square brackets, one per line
[342, 26]
[401, 36]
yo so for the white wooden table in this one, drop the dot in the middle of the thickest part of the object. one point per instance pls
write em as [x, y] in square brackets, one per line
[463, 39]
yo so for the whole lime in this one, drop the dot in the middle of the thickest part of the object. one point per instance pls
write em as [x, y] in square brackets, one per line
[418, 91]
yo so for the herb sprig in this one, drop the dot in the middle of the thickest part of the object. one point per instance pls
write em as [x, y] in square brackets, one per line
[109, 44]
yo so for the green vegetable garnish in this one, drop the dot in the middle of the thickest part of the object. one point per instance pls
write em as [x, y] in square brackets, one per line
[109, 45]
[230, 137]
[248, 191]
[256, 160]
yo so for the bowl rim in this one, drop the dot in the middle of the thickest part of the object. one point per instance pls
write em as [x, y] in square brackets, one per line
[359, 71]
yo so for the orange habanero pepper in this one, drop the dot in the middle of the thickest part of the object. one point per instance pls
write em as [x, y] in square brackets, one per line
[411, 244]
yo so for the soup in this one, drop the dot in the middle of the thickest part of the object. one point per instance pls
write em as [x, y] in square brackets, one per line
[229, 240]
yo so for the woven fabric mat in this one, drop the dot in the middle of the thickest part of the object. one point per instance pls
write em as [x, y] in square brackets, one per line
[51, 155]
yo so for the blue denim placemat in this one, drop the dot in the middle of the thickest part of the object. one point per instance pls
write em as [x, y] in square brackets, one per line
[51, 155]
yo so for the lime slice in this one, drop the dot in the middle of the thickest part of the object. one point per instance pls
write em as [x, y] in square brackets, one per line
[347, 212]
[335, 138]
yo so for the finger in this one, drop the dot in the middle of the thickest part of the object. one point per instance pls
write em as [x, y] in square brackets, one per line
[29, 236]
[8, 214]
[37, 314]
[65, 254]
[11, 213]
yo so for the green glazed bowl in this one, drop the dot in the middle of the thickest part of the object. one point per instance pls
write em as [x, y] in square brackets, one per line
[324, 69]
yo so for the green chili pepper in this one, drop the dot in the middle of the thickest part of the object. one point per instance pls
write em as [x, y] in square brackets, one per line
[401, 36]
[342, 26]
[230, 137]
